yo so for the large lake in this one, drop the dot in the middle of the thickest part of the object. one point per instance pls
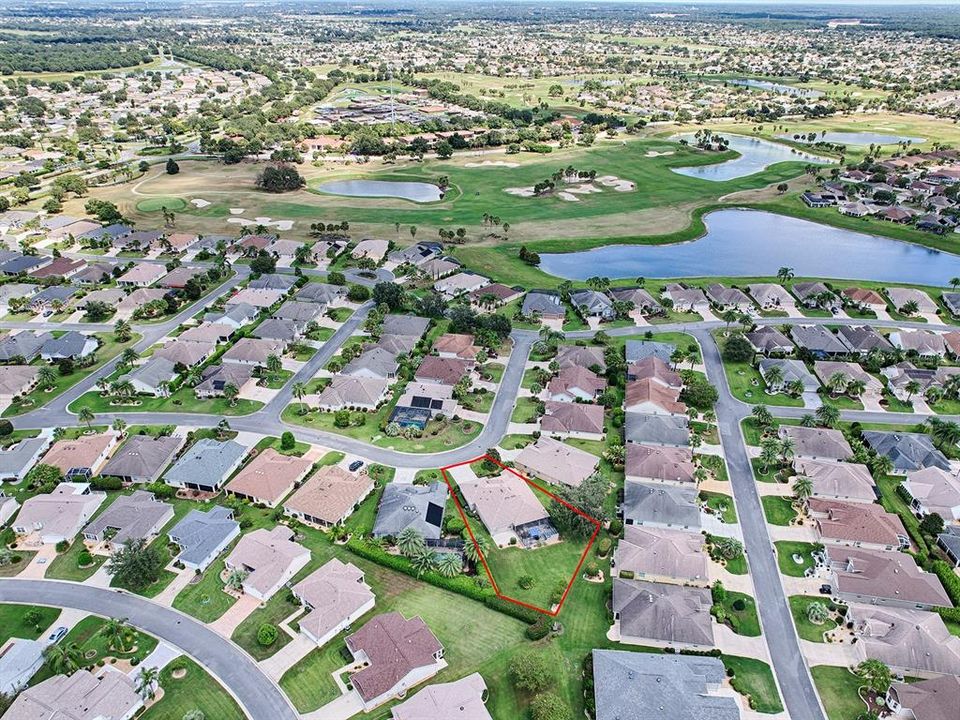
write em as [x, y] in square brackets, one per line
[859, 138]
[751, 243]
[776, 87]
[415, 191]
[755, 155]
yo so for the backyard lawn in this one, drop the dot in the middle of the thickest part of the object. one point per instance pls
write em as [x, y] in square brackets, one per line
[839, 691]
[806, 628]
[550, 569]
[277, 609]
[778, 510]
[197, 690]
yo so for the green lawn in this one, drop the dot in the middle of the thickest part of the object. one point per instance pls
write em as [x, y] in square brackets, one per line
[786, 549]
[778, 510]
[525, 411]
[741, 613]
[181, 401]
[721, 505]
[13, 624]
[839, 691]
[754, 679]
[276, 610]
[65, 566]
[807, 629]
[551, 568]
[716, 465]
[197, 690]
[205, 600]
[747, 385]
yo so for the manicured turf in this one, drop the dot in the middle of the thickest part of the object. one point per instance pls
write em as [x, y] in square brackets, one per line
[807, 629]
[182, 401]
[785, 551]
[173, 204]
[839, 691]
[778, 510]
[747, 385]
[197, 690]
[754, 679]
[65, 566]
[721, 504]
[205, 600]
[741, 613]
[12, 622]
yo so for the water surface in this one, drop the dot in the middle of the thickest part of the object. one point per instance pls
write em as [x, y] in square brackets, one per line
[755, 155]
[776, 87]
[750, 243]
[415, 191]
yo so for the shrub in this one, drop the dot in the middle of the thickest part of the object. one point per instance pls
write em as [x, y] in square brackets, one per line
[739, 605]
[358, 293]
[603, 547]
[6, 428]
[526, 581]
[626, 574]
[62, 546]
[592, 569]
[616, 527]
[540, 629]
[287, 441]
[108, 483]
[950, 581]
[267, 635]
[549, 706]
[532, 671]
[455, 525]
[84, 558]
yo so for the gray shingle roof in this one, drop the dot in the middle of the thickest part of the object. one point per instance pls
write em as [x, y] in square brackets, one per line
[416, 506]
[200, 533]
[661, 504]
[133, 516]
[207, 463]
[142, 457]
[639, 349]
[908, 451]
[657, 429]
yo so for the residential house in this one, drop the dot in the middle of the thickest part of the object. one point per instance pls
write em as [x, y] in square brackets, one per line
[236, 316]
[463, 282]
[138, 516]
[285, 332]
[208, 332]
[908, 451]
[216, 378]
[178, 278]
[934, 490]
[660, 505]
[252, 351]
[912, 643]
[60, 267]
[865, 525]
[57, 516]
[51, 297]
[268, 560]
[260, 298]
[578, 356]
[791, 371]
[80, 696]
[556, 462]
[770, 296]
[153, 377]
[638, 350]
[274, 281]
[445, 371]
[493, 296]
[661, 555]
[686, 299]
[543, 305]
[508, 508]
[375, 363]
[322, 294]
[724, 298]
[142, 275]
[922, 342]
[302, 313]
[643, 685]
[202, 536]
[768, 340]
[903, 296]
[81, 456]
[650, 397]
[186, 353]
[20, 659]
[142, 458]
[574, 384]
[456, 346]
[816, 443]
[335, 595]
[206, 465]
[847, 481]
[421, 401]
[933, 699]
[654, 368]
[816, 294]
[463, 699]
[395, 654]
[864, 298]
[353, 393]
[17, 380]
[572, 420]
[818, 341]
[851, 372]
[406, 505]
[668, 430]
[269, 477]
[22, 347]
[878, 577]
[329, 496]
[643, 302]
[370, 248]
[657, 463]
[71, 344]
[592, 304]
[20, 457]
[662, 615]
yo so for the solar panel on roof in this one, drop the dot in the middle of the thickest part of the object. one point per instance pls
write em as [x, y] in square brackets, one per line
[434, 514]
[420, 402]
[436, 404]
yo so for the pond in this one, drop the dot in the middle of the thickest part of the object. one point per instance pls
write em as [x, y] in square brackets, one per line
[755, 155]
[742, 243]
[776, 87]
[415, 191]
[859, 138]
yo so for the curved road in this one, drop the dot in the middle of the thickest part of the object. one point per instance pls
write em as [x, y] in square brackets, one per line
[259, 696]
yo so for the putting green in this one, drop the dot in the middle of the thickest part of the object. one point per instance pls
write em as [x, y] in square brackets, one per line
[156, 204]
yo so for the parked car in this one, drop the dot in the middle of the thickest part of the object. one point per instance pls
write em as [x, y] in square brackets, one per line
[826, 590]
[356, 465]
[57, 635]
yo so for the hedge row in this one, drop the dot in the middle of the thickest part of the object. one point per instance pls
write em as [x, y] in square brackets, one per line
[949, 579]
[460, 584]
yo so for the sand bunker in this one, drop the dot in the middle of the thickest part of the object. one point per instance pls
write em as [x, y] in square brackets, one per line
[237, 211]
[654, 153]
[265, 221]
[584, 189]
[521, 192]
[492, 163]
[564, 195]
[612, 181]
[199, 202]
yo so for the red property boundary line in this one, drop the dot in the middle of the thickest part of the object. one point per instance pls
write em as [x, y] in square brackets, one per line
[596, 530]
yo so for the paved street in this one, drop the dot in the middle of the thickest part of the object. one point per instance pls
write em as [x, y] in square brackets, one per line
[259, 696]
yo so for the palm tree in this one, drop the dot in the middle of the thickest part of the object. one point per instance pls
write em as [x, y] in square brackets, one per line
[856, 388]
[423, 560]
[768, 455]
[299, 389]
[230, 392]
[912, 388]
[943, 432]
[410, 541]
[827, 415]
[837, 383]
[116, 631]
[85, 415]
[802, 488]
[795, 387]
[449, 564]
[808, 421]
[223, 427]
[63, 659]
[729, 317]
[473, 548]
[784, 274]
[120, 426]
[881, 465]
[46, 378]
[129, 356]
[274, 365]
[774, 377]
[817, 613]
[955, 282]
[786, 449]
[147, 680]
[762, 415]
[727, 547]
[122, 331]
